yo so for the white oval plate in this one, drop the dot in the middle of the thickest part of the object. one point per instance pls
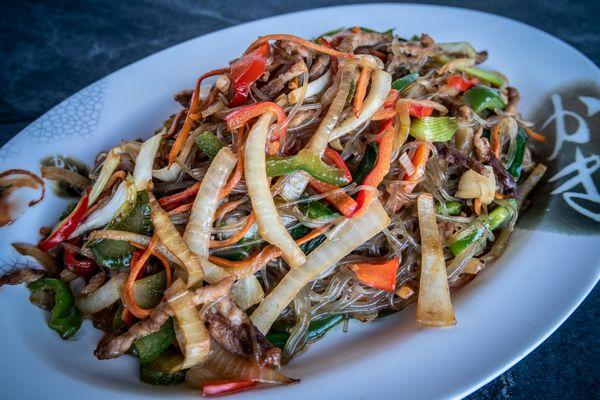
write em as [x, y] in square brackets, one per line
[502, 315]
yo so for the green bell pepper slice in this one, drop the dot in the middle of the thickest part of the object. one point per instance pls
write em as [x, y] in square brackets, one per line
[481, 97]
[64, 316]
[209, 143]
[307, 161]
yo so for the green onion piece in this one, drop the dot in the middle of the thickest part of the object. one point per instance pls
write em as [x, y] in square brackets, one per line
[64, 317]
[481, 97]
[494, 220]
[433, 129]
[403, 82]
[307, 161]
[487, 76]
[367, 163]
[151, 346]
[516, 163]
[209, 143]
[448, 207]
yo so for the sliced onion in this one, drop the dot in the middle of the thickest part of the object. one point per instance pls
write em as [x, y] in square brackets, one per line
[192, 335]
[142, 174]
[64, 175]
[433, 129]
[270, 226]
[171, 172]
[169, 236]
[407, 164]
[531, 181]
[381, 82]
[434, 307]
[474, 185]
[247, 292]
[121, 200]
[462, 48]
[45, 259]
[349, 234]
[318, 142]
[110, 165]
[198, 230]
[102, 298]
[314, 88]
[227, 365]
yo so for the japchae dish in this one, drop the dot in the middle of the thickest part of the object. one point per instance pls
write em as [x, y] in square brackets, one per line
[307, 183]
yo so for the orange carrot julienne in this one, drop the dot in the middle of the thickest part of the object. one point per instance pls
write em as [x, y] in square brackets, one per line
[193, 109]
[135, 268]
[341, 201]
[361, 90]
[236, 237]
[298, 40]
[495, 140]
[176, 198]
[534, 135]
[238, 172]
[181, 209]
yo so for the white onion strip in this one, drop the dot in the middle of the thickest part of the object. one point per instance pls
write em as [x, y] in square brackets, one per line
[314, 88]
[142, 174]
[110, 164]
[197, 232]
[433, 305]
[381, 83]
[169, 236]
[192, 335]
[350, 234]
[270, 226]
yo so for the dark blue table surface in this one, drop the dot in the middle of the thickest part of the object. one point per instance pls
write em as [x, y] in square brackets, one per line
[51, 49]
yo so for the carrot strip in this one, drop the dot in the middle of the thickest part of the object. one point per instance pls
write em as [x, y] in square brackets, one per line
[193, 109]
[534, 135]
[235, 178]
[173, 199]
[384, 113]
[227, 207]
[134, 270]
[361, 90]
[495, 140]
[236, 237]
[298, 40]
[419, 161]
[181, 209]
[260, 259]
[163, 260]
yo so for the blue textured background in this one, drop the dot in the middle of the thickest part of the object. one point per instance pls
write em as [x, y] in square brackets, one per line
[51, 49]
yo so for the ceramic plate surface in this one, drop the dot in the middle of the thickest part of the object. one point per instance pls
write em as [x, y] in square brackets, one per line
[552, 263]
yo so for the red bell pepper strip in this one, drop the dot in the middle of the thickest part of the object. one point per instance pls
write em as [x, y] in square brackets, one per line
[419, 111]
[176, 199]
[379, 276]
[333, 157]
[345, 204]
[382, 167]
[245, 71]
[236, 119]
[458, 82]
[84, 267]
[226, 387]
[66, 226]
[383, 128]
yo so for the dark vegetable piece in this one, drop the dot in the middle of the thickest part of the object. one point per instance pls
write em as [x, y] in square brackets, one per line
[455, 157]
[312, 244]
[516, 163]
[481, 97]
[209, 143]
[367, 163]
[115, 254]
[158, 372]
[511, 189]
[64, 316]
[150, 347]
[316, 330]
[403, 82]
